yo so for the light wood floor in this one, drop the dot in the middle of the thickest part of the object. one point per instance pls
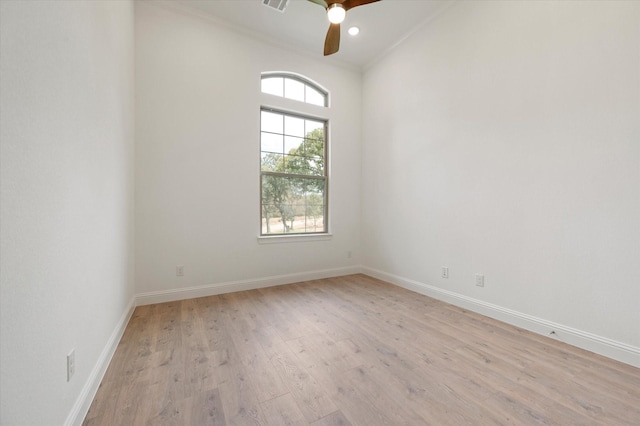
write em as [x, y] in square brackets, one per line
[350, 351]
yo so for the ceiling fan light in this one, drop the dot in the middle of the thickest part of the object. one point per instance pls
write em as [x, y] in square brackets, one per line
[336, 13]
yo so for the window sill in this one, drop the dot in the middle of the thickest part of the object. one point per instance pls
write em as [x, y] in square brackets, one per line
[301, 238]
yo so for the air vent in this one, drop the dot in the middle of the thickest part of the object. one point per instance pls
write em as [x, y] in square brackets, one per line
[276, 4]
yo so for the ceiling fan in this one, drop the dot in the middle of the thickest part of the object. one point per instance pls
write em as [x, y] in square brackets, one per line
[336, 11]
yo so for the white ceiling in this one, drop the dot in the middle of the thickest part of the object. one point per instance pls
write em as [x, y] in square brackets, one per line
[303, 25]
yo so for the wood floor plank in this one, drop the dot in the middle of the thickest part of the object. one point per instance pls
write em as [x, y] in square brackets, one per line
[312, 399]
[203, 408]
[337, 355]
[284, 319]
[334, 419]
[350, 351]
[314, 310]
[265, 380]
[239, 402]
[284, 411]
[524, 408]
[378, 397]
[269, 339]
[358, 406]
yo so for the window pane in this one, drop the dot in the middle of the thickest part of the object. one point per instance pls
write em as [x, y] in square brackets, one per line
[271, 142]
[296, 164]
[312, 125]
[293, 89]
[273, 86]
[314, 148]
[302, 165]
[272, 162]
[307, 186]
[314, 97]
[277, 199]
[294, 126]
[293, 143]
[271, 122]
[292, 205]
[315, 208]
[314, 143]
[316, 166]
[293, 174]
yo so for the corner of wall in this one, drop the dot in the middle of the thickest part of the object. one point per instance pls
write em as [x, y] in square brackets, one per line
[84, 400]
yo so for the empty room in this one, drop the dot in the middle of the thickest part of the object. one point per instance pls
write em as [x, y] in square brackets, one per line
[319, 212]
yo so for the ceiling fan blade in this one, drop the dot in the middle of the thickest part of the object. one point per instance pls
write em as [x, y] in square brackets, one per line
[320, 3]
[350, 4]
[332, 42]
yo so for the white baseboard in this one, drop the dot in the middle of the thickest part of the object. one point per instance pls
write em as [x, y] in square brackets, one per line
[582, 339]
[229, 287]
[84, 400]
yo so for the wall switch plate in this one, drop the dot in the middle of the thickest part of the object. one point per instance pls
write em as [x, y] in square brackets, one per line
[71, 364]
[180, 271]
[445, 272]
[480, 280]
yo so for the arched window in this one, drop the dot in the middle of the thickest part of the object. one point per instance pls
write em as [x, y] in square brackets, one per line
[293, 158]
[293, 86]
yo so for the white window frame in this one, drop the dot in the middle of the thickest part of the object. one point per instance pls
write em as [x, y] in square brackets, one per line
[310, 111]
[300, 79]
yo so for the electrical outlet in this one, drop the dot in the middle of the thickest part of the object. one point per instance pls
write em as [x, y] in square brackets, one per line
[480, 280]
[71, 364]
[445, 272]
[180, 271]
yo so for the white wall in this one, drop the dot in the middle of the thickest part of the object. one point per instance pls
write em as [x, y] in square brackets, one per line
[503, 138]
[197, 157]
[67, 111]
